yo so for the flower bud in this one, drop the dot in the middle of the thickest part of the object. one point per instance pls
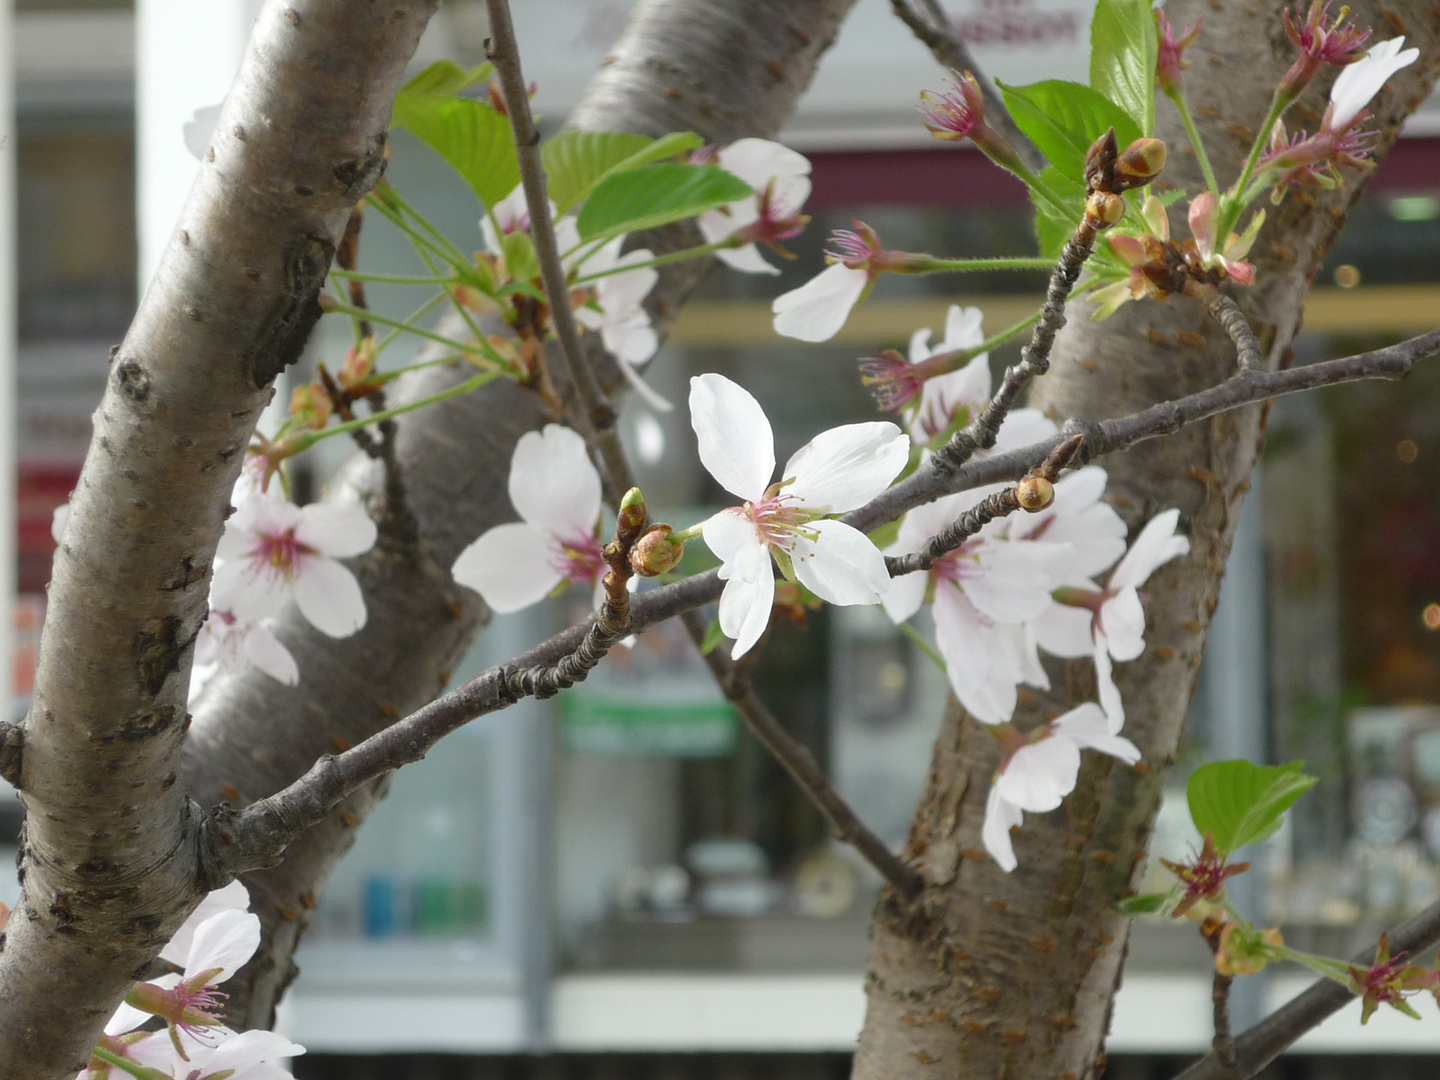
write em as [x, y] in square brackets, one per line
[1102, 209]
[655, 553]
[1139, 163]
[1034, 493]
[631, 518]
[1100, 162]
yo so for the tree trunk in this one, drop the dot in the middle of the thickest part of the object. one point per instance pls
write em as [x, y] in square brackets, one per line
[723, 68]
[990, 974]
[109, 854]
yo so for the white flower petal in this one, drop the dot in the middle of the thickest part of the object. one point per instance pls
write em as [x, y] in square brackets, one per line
[511, 566]
[1040, 774]
[980, 657]
[1357, 83]
[1065, 631]
[1156, 545]
[758, 161]
[847, 466]
[818, 309]
[339, 530]
[328, 596]
[1016, 580]
[1087, 726]
[248, 1049]
[233, 897]
[732, 537]
[1122, 619]
[263, 651]
[553, 484]
[944, 396]
[747, 259]
[226, 941]
[841, 565]
[736, 444]
[724, 221]
[127, 1018]
[1109, 693]
[1000, 818]
[1021, 428]
[250, 594]
[745, 611]
[905, 596]
[647, 393]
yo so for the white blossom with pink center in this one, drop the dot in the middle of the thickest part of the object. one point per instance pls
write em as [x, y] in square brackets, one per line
[836, 471]
[618, 314]
[556, 491]
[512, 214]
[273, 552]
[1357, 83]
[226, 640]
[1109, 624]
[247, 1055]
[1039, 774]
[956, 398]
[781, 179]
[984, 592]
[189, 1002]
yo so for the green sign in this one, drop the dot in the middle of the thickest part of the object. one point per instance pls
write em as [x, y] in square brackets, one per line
[605, 726]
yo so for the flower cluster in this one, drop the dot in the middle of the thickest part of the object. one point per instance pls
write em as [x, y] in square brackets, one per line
[213, 943]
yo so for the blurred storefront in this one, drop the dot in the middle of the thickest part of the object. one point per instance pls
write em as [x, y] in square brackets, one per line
[624, 875]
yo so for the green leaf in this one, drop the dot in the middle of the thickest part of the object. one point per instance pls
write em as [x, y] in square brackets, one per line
[713, 637]
[1144, 904]
[1238, 802]
[576, 161]
[470, 135]
[445, 78]
[1064, 118]
[656, 195]
[1124, 45]
[1051, 227]
[520, 261]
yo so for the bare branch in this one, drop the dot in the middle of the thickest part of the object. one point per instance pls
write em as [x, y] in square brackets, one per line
[928, 22]
[734, 682]
[598, 413]
[256, 836]
[1228, 314]
[1264, 1042]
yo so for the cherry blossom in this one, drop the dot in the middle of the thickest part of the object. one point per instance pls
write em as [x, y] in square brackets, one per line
[512, 214]
[1362, 80]
[273, 552]
[951, 400]
[231, 1056]
[1109, 624]
[1079, 518]
[190, 1003]
[983, 594]
[781, 179]
[1040, 771]
[618, 313]
[227, 639]
[146, 1049]
[233, 897]
[1204, 215]
[836, 471]
[556, 491]
[1338, 43]
[818, 309]
[1170, 60]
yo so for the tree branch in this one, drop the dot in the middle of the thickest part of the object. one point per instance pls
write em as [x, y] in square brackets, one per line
[1264, 1042]
[246, 841]
[1228, 314]
[598, 413]
[928, 21]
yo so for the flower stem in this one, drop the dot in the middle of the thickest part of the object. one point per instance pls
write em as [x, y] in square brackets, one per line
[390, 279]
[419, 239]
[1177, 95]
[1232, 205]
[923, 645]
[399, 327]
[305, 440]
[681, 536]
[481, 345]
[1327, 966]
[937, 266]
[440, 237]
[134, 1068]
[659, 260]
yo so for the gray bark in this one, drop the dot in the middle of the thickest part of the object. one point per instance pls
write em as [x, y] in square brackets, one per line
[993, 974]
[723, 69]
[108, 858]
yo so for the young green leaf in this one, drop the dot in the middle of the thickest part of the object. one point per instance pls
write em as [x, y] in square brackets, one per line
[713, 637]
[1238, 802]
[656, 195]
[1124, 45]
[445, 78]
[1144, 904]
[520, 261]
[576, 161]
[1051, 227]
[470, 135]
[1064, 118]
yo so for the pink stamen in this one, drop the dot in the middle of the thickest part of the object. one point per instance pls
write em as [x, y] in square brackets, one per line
[276, 555]
[580, 559]
[776, 519]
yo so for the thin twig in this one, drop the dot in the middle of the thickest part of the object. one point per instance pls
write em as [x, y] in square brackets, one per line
[599, 414]
[734, 682]
[1223, 1044]
[1228, 314]
[980, 433]
[1000, 504]
[1263, 1043]
[255, 837]
[928, 21]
